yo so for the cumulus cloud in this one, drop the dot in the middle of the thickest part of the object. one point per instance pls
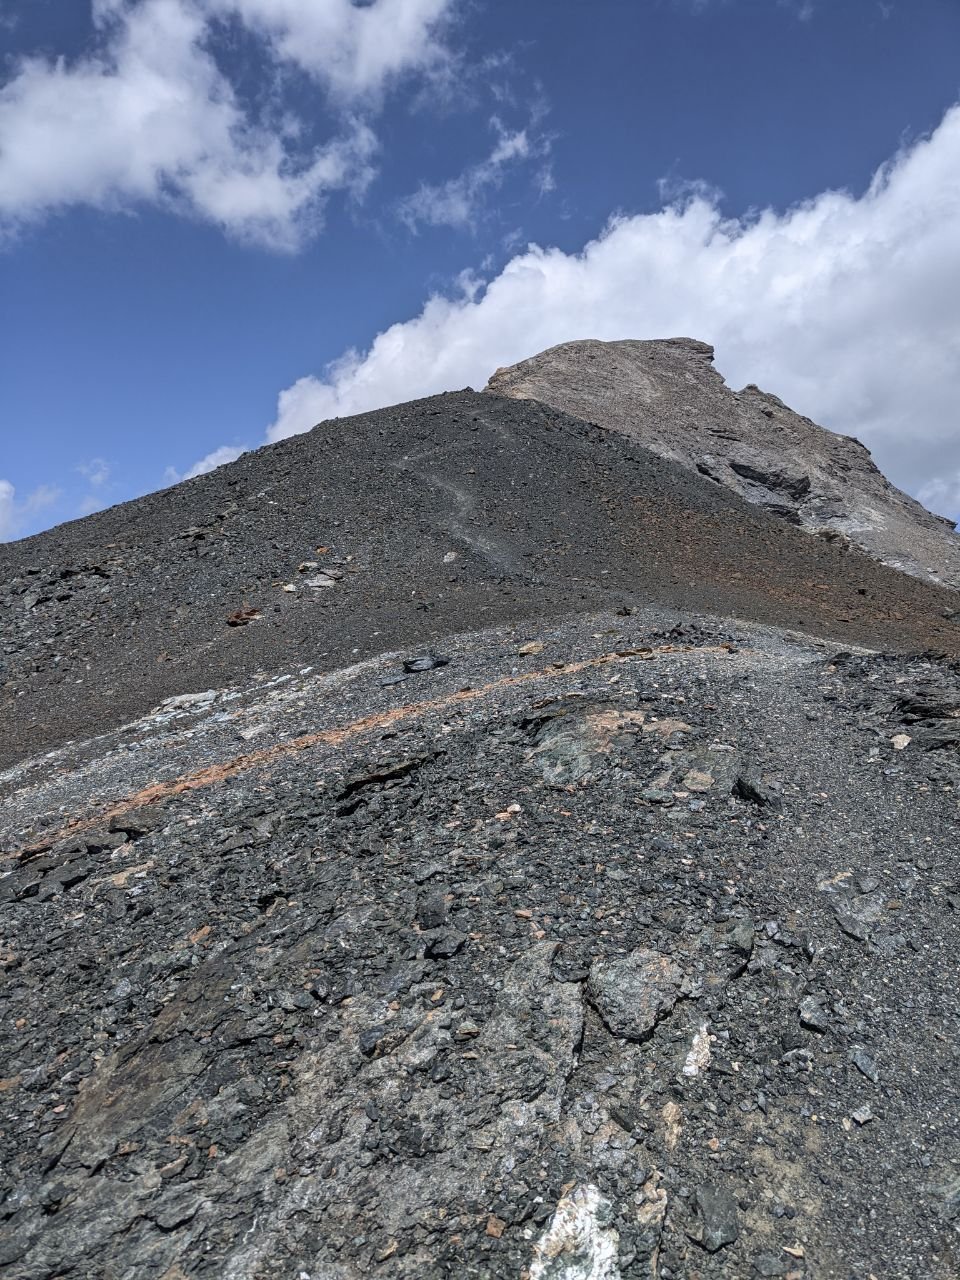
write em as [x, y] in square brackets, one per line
[355, 50]
[150, 116]
[15, 514]
[457, 202]
[845, 306]
[216, 458]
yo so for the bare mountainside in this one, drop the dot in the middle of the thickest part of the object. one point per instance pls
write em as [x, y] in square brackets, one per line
[609, 949]
[667, 396]
[398, 527]
[459, 843]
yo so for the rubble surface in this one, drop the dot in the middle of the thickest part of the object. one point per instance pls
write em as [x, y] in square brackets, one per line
[460, 843]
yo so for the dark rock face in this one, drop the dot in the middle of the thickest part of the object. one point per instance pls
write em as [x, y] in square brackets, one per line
[459, 912]
[667, 396]
[717, 1220]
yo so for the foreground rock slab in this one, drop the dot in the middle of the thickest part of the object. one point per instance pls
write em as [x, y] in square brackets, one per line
[414, 983]
[632, 994]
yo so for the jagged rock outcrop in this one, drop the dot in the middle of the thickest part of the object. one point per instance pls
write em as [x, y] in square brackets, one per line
[667, 396]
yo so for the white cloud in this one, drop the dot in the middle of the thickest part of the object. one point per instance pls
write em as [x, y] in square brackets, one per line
[96, 472]
[151, 117]
[457, 202]
[7, 525]
[355, 50]
[942, 495]
[217, 458]
[14, 514]
[848, 307]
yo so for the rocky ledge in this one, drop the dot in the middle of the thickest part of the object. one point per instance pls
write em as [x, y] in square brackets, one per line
[668, 397]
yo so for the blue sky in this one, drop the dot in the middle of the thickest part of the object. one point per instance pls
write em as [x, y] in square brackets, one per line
[207, 205]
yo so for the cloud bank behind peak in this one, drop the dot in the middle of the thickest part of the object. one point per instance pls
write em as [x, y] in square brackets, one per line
[844, 306]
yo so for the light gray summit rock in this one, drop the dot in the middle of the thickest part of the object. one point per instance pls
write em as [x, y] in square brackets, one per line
[667, 396]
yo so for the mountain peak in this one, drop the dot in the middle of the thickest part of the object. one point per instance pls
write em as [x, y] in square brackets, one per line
[460, 841]
[666, 395]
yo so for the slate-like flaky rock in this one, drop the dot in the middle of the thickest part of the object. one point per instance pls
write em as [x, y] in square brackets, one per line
[490, 908]
[459, 511]
[667, 396]
[671, 1036]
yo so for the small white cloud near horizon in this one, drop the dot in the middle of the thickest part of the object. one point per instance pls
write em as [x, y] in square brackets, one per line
[942, 495]
[14, 514]
[7, 495]
[150, 117]
[96, 472]
[216, 458]
[846, 306]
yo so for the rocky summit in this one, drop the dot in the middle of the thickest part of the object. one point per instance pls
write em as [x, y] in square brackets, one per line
[462, 842]
[668, 396]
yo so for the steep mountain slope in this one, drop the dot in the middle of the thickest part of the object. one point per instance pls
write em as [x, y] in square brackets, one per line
[399, 527]
[667, 396]
[459, 842]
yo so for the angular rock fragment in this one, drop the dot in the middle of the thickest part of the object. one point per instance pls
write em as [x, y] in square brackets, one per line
[425, 662]
[633, 993]
[865, 1062]
[580, 1241]
[446, 943]
[432, 911]
[698, 1055]
[139, 821]
[749, 786]
[812, 1014]
[717, 1220]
